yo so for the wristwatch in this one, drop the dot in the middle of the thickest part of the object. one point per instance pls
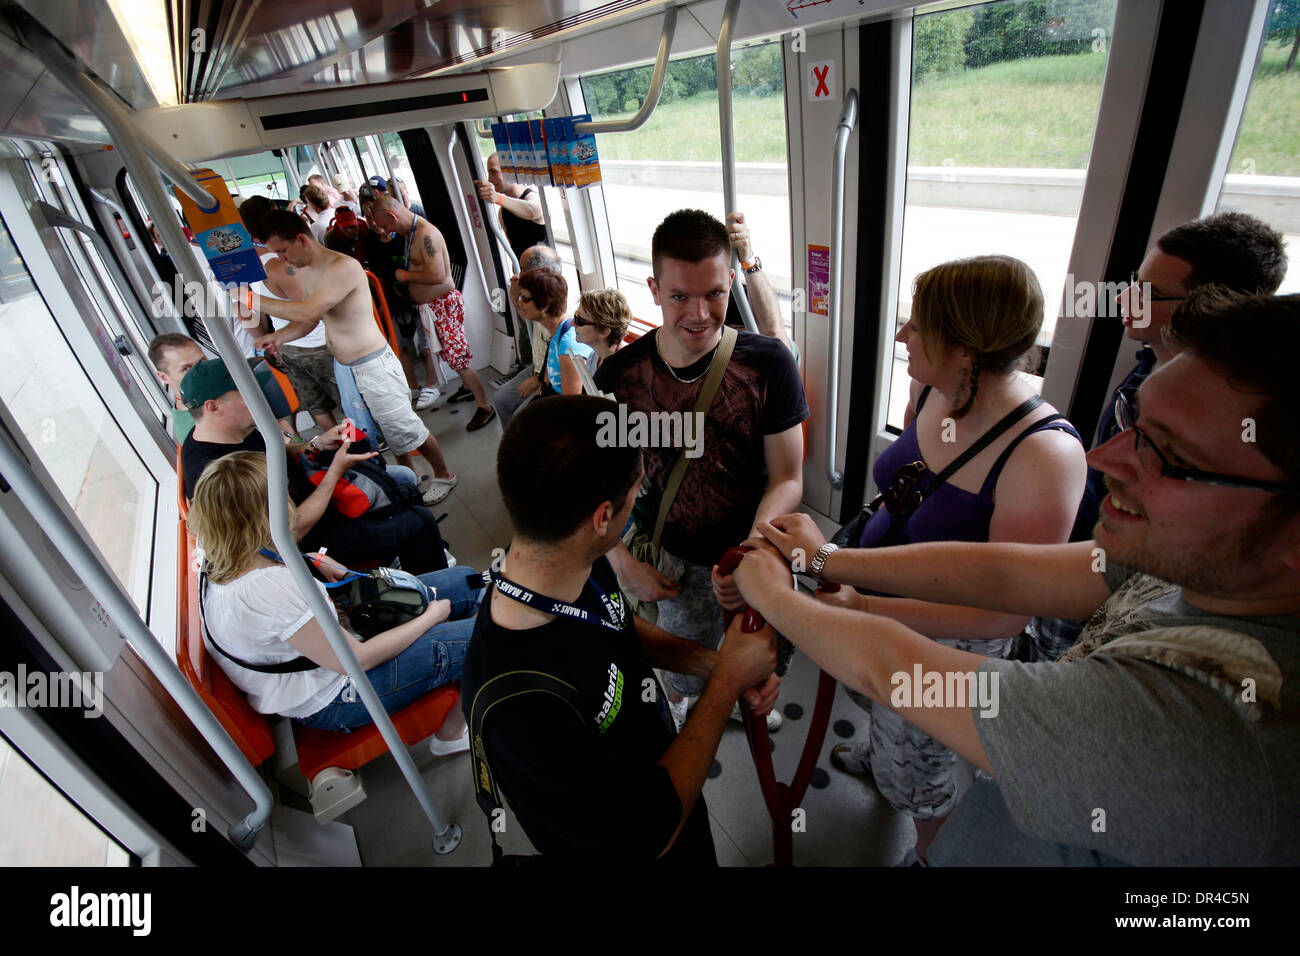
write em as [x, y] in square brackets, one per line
[751, 267]
[819, 559]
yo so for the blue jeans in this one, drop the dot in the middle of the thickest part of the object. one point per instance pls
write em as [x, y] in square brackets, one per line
[353, 405]
[436, 658]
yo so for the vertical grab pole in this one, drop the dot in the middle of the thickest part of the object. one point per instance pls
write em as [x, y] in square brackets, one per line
[140, 161]
[729, 149]
[848, 119]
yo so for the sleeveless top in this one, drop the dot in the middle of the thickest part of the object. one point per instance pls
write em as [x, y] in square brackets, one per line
[949, 513]
[522, 233]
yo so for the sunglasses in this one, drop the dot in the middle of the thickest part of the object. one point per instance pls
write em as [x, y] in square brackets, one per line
[582, 321]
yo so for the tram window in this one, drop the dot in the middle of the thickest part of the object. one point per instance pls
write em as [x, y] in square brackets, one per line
[555, 204]
[115, 316]
[39, 826]
[1266, 156]
[67, 423]
[370, 163]
[674, 161]
[401, 166]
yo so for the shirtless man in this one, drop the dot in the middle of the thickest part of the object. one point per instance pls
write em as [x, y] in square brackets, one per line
[428, 282]
[336, 291]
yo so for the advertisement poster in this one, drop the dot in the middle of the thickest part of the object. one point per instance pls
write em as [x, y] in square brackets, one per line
[819, 279]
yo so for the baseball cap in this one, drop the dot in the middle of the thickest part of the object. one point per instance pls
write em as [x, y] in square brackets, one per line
[380, 183]
[343, 216]
[211, 379]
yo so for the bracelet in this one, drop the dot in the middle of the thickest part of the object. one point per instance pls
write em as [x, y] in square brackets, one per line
[499, 199]
[312, 443]
[751, 267]
[250, 298]
[819, 559]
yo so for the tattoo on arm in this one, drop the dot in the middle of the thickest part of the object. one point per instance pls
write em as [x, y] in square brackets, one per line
[288, 270]
[428, 246]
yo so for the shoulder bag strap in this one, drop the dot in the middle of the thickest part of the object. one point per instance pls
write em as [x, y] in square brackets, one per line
[300, 663]
[499, 688]
[720, 362]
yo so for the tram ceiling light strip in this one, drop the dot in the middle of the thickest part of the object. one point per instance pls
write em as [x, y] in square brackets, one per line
[198, 132]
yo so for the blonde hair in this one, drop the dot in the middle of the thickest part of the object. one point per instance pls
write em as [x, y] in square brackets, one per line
[229, 514]
[991, 305]
[609, 310]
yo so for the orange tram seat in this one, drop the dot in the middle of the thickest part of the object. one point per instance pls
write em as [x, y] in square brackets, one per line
[250, 730]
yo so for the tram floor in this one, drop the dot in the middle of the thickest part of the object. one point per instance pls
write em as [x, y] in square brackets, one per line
[846, 822]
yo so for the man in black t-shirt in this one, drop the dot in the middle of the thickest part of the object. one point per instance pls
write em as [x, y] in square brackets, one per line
[751, 466]
[612, 782]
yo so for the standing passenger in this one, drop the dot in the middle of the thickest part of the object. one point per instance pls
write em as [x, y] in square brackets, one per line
[522, 216]
[751, 466]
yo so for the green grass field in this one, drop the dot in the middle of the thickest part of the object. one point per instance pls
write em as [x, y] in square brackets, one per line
[1023, 114]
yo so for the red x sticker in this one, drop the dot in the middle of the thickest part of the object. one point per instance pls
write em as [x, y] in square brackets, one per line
[821, 81]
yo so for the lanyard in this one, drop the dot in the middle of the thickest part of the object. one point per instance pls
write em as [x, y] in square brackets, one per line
[352, 575]
[549, 605]
[410, 236]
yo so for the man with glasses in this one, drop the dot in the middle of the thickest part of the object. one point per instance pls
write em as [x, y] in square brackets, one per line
[1167, 736]
[1230, 249]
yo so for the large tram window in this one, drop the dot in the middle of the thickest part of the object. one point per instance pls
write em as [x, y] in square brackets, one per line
[1261, 178]
[39, 826]
[401, 166]
[49, 394]
[1004, 105]
[674, 161]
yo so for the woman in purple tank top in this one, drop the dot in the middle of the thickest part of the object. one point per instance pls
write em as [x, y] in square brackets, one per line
[973, 323]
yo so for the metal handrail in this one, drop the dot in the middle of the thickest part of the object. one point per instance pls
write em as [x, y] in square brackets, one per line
[652, 95]
[725, 125]
[53, 57]
[848, 119]
[125, 134]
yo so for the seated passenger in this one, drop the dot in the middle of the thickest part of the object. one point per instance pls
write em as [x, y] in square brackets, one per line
[254, 612]
[600, 321]
[528, 380]
[173, 354]
[973, 323]
[1167, 735]
[544, 298]
[223, 424]
[346, 234]
[612, 783]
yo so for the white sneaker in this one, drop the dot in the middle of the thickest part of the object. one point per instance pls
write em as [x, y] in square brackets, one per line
[445, 748]
[774, 718]
[679, 710]
[439, 489]
[427, 398]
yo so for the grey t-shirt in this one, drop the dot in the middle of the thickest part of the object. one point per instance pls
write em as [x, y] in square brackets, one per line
[1167, 736]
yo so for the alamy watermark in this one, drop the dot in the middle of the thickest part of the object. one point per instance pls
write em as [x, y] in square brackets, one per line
[632, 428]
[62, 689]
[1101, 300]
[963, 689]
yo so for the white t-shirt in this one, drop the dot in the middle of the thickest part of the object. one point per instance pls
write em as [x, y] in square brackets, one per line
[313, 339]
[253, 618]
[322, 224]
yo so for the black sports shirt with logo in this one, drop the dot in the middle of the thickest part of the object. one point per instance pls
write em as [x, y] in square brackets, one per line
[586, 788]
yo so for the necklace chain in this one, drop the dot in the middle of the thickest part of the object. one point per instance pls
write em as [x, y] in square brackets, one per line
[684, 381]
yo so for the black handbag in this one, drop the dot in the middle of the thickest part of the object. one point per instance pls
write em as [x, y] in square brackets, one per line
[383, 599]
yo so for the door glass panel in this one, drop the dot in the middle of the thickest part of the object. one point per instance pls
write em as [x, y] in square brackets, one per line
[1261, 178]
[47, 391]
[1004, 105]
[674, 161]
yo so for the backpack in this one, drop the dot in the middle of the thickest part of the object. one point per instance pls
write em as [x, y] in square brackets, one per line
[364, 489]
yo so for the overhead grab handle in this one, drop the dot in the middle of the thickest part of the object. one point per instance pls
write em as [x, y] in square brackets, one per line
[652, 95]
[115, 118]
[848, 119]
[729, 149]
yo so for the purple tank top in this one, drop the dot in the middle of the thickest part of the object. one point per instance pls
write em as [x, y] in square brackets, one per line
[949, 513]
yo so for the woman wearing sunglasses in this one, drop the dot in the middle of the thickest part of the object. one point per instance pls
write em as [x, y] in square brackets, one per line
[974, 322]
[544, 297]
[600, 321]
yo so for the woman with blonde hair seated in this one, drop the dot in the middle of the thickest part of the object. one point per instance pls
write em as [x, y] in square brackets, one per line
[267, 641]
[600, 321]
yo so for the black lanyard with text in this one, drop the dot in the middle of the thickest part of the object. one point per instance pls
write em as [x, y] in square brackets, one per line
[549, 605]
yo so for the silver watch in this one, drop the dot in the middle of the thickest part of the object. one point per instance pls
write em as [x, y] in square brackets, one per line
[819, 559]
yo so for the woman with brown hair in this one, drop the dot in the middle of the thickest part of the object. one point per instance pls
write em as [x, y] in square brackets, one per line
[973, 324]
[267, 641]
[544, 297]
[601, 320]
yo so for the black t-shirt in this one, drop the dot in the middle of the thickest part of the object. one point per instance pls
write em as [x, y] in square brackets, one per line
[582, 793]
[384, 259]
[522, 233]
[761, 394]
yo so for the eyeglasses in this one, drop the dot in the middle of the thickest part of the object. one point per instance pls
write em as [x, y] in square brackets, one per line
[1143, 294]
[582, 321]
[1126, 414]
[525, 297]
